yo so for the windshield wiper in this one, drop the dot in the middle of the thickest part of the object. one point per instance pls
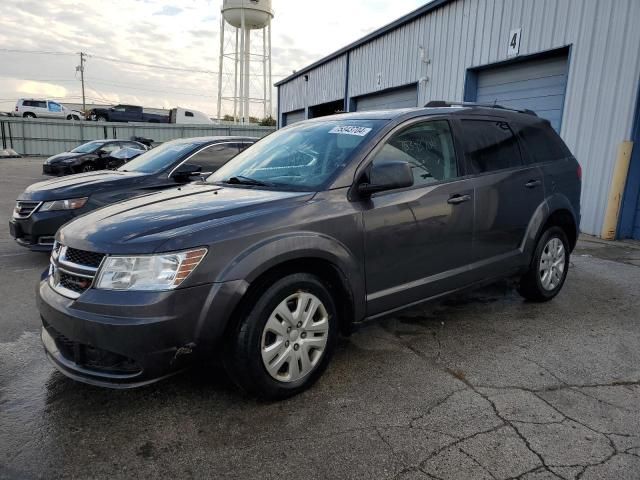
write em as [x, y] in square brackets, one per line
[240, 180]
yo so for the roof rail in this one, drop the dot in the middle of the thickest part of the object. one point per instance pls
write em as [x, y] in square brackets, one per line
[442, 103]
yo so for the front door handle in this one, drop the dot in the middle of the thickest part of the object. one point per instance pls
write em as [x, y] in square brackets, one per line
[532, 183]
[457, 198]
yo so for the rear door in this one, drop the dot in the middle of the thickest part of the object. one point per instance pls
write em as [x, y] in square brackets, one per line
[418, 240]
[507, 190]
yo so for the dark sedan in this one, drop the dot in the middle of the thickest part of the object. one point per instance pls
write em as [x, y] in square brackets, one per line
[87, 157]
[45, 206]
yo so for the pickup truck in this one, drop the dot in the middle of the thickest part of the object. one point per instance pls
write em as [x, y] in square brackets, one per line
[125, 113]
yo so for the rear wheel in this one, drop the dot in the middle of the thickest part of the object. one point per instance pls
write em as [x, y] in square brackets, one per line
[549, 267]
[29, 115]
[284, 342]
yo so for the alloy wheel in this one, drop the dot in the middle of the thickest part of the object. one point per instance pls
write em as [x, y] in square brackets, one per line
[552, 264]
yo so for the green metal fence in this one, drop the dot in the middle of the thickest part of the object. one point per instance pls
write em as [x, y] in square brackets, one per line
[34, 136]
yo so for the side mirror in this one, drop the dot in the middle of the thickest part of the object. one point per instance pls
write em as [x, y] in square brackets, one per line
[101, 153]
[186, 170]
[387, 175]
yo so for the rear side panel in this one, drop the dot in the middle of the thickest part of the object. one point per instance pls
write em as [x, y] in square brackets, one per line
[542, 146]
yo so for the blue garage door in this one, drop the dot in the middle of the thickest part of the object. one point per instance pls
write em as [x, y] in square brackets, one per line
[293, 117]
[538, 85]
[405, 97]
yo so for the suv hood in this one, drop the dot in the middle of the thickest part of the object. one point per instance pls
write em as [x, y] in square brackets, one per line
[79, 185]
[143, 224]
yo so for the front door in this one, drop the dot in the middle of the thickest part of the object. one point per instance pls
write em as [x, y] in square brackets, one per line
[418, 240]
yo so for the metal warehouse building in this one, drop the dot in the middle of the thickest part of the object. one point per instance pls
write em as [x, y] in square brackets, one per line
[574, 62]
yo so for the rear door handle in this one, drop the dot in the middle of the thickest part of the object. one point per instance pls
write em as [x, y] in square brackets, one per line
[532, 183]
[457, 198]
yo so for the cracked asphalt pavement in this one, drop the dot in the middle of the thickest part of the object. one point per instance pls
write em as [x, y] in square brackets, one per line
[479, 386]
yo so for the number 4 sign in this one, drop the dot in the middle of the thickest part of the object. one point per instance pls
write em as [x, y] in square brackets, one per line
[514, 42]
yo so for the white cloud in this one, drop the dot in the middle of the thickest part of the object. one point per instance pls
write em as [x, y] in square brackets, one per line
[182, 34]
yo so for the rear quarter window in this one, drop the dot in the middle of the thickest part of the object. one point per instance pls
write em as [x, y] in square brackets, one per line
[542, 144]
[490, 145]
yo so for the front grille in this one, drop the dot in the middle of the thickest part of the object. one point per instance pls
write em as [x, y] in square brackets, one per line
[74, 283]
[24, 209]
[93, 358]
[82, 257]
[72, 271]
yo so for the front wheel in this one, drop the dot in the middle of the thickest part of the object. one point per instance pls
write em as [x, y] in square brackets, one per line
[282, 345]
[87, 167]
[549, 267]
[101, 118]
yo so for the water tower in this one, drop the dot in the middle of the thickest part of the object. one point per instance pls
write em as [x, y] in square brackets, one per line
[244, 76]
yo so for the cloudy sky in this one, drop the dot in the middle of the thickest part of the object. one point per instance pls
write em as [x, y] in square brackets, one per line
[183, 34]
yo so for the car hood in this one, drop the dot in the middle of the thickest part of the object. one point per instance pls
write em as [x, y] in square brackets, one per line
[144, 224]
[79, 185]
[63, 156]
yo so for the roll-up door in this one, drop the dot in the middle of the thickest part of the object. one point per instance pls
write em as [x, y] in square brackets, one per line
[405, 97]
[538, 84]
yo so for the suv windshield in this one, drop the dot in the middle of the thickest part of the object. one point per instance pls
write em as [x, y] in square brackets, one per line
[302, 157]
[160, 157]
[87, 147]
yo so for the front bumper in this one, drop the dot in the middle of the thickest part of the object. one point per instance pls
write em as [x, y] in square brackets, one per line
[58, 169]
[37, 231]
[128, 339]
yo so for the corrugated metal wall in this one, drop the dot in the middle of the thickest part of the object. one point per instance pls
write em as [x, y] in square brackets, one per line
[48, 137]
[325, 85]
[604, 69]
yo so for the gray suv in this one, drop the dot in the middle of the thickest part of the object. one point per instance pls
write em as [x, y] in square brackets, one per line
[313, 230]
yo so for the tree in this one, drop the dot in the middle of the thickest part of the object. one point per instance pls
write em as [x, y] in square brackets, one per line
[268, 122]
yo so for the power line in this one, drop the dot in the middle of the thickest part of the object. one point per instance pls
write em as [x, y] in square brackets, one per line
[130, 62]
[36, 52]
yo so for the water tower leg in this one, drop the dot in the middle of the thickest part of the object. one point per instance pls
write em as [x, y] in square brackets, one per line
[247, 73]
[220, 63]
[242, 52]
[270, 81]
[264, 70]
[235, 80]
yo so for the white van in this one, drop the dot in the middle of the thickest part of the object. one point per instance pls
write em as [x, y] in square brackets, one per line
[36, 108]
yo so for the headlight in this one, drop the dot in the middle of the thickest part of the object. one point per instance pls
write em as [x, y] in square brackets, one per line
[69, 161]
[71, 204]
[150, 272]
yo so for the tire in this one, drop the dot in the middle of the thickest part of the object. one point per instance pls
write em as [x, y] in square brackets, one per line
[297, 355]
[29, 115]
[101, 118]
[549, 267]
[87, 167]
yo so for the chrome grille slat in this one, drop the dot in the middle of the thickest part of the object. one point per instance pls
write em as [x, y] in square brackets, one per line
[25, 208]
[72, 271]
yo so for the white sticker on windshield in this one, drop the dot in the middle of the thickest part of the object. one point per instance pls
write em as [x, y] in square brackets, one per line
[350, 130]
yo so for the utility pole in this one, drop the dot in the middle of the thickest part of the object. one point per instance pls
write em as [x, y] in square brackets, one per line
[81, 70]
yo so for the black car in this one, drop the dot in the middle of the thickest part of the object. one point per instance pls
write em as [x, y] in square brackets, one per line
[43, 207]
[87, 157]
[319, 227]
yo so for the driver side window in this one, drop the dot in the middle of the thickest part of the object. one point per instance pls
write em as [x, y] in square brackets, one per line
[427, 147]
